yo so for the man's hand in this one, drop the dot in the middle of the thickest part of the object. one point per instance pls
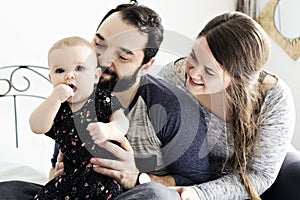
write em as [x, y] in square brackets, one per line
[186, 193]
[59, 166]
[123, 169]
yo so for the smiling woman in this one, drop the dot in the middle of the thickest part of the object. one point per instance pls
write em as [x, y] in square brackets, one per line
[249, 112]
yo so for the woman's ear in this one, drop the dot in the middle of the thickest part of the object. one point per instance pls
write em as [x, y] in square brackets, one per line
[146, 66]
[226, 79]
[98, 73]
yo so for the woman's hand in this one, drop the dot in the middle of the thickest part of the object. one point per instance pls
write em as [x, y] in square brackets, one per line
[123, 169]
[59, 166]
[186, 193]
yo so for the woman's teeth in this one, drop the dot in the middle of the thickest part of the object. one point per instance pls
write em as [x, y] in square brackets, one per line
[198, 82]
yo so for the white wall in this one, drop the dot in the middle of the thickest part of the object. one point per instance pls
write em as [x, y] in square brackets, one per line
[29, 28]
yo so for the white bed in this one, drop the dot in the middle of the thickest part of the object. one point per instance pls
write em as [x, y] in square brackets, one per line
[23, 154]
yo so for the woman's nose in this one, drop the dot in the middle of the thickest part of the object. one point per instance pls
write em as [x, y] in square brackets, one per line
[195, 72]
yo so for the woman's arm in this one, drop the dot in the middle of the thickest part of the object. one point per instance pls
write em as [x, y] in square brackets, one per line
[278, 119]
[277, 126]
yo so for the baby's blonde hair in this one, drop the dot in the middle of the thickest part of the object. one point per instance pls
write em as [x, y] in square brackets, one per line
[70, 42]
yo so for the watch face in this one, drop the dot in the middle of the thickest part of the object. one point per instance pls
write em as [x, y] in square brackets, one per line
[144, 178]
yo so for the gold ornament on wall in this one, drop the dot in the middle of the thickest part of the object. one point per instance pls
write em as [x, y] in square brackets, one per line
[267, 20]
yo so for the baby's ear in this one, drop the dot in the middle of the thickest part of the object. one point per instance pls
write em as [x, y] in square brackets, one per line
[98, 73]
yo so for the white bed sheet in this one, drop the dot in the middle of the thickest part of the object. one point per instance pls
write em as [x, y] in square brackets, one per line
[15, 171]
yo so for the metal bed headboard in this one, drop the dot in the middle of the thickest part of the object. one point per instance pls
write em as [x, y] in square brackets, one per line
[10, 89]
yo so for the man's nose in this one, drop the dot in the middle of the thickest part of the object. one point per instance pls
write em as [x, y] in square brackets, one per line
[106, 58]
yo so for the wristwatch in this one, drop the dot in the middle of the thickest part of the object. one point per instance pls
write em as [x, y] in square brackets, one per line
[143, 178]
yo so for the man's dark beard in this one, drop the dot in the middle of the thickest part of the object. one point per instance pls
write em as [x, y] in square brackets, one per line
[114, 83]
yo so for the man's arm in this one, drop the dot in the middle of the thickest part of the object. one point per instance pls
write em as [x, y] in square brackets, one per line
[165, 180]
[55, 158]
[59, 166]
[185, 149]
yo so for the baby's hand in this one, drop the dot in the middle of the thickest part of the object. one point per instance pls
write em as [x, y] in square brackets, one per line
[62, 92]
[98, 131]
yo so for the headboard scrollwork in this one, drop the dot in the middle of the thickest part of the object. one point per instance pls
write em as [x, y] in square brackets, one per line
[10, 81]
[12, 86]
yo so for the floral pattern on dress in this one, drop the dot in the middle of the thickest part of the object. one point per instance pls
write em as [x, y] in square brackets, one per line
[79, 180]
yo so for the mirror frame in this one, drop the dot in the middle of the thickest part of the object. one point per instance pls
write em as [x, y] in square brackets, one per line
[266, 19]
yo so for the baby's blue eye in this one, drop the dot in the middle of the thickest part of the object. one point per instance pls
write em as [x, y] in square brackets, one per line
[80, 68]
[59, 70]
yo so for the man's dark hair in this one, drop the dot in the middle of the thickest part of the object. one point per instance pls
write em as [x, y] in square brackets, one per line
[146, 20]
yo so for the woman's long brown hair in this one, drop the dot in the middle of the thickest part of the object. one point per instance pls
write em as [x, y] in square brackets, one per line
[239, 44]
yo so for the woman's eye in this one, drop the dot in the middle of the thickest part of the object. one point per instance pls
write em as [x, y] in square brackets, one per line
[193, 56]
[208, 71]
[59, 70]
[80, 68]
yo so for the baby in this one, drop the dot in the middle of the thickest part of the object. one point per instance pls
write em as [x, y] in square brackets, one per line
[78, 122]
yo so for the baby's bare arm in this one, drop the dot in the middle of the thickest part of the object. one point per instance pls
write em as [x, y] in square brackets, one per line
[41, 119]
[114, 130]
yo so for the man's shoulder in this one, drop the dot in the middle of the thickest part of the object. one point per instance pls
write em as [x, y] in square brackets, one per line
[159, 85]
[155, 90]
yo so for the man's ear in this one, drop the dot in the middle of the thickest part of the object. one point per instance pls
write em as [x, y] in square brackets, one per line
[147, 66]
[98, 73]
